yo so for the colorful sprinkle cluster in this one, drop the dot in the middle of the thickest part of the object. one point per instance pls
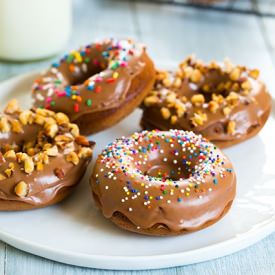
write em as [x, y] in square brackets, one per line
[52, 85]
[192, 161]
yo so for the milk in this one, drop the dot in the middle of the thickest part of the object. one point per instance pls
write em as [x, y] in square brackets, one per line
[33, 29]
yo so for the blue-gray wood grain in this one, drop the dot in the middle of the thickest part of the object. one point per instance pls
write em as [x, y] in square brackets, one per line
[171, 33]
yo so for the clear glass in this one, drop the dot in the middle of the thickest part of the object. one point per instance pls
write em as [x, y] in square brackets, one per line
[33, 29]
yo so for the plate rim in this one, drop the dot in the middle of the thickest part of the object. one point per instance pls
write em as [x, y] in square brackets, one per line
[229, 246]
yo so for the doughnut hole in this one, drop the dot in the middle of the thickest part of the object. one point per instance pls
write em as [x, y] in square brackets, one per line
[21, 142]
[97, 63]
[213, 79]
[167, 163]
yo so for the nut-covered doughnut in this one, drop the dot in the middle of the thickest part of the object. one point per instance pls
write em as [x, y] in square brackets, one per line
[163, 182]
[225, 103]
[97, 85]
[42, 157]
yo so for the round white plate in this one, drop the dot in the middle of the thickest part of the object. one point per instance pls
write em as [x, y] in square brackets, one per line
[75, 232]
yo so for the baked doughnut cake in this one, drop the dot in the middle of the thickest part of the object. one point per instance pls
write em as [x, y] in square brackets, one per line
[97, 85]
[42, 157]
[227, 104]
[163, 182]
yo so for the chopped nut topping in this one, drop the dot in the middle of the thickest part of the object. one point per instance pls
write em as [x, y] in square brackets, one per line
[235, 74]
[161, 75]
[21, 157]
[227, 110]
[28, 165]
[233, 99]
[165, 112]
[10, 170]
[4, 125]
[51, 130]
[39, 166]
[196, 76]
[45, 112]
[10, 154]
[40, 120]
[254, 73]
[213, 106]
[180, 108]
[74, 129]
[171, 97]
[56, 133]
[45, 158]
[12, 107]
[26, 117]
[174, 119]
[21, 189]
[81, 140]
[198, 100]
[231, 127]
[199, 118]
[177, 82]
[150, 101]
[63, 138]
[188, 71]
[61, 118]
[85, 152]
[223, 88]
[246, 85]
[218, 98]
[183, 99]
[72, 157]
[53, 151]
[16, 126]
[235, 87]
[31, 151]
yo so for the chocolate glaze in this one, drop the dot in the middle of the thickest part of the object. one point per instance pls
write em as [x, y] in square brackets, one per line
[113, 82]
[188, 202]
[250, 114]
[43, 186]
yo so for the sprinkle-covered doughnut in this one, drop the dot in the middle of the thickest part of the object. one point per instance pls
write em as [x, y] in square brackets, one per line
[225, 103]
[42, 157]
[163, 182]
[97, 85]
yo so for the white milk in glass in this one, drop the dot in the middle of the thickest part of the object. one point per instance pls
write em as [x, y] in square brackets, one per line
[33, 29]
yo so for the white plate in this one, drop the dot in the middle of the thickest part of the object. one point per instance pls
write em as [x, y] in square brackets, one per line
[74, 231]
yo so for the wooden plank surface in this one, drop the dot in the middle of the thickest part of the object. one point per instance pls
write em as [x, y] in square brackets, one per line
[255, 260]
[171, 33]
[2, 257]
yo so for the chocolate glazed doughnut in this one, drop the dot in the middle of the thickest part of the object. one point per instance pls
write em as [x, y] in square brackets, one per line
[226, 104]
[98, 85]
[163, 182]
[42, 157]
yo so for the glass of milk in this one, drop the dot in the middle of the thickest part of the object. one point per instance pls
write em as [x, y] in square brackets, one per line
[33, 29]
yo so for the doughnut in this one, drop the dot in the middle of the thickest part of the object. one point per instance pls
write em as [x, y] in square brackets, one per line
[163, 182]
[97, 85]
[227, 104]
[42, 157]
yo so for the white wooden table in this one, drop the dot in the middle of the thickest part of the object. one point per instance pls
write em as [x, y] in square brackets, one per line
[171, 33]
